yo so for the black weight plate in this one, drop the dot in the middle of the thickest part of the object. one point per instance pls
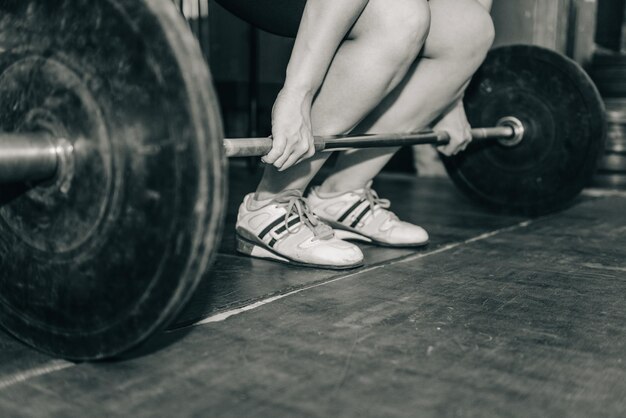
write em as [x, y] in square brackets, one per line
[92, 267]
[565, 130]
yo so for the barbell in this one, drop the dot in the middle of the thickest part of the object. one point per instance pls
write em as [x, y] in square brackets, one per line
[112, 163]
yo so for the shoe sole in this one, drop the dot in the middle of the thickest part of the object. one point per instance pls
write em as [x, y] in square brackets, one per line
[252, 249]
[349, 235]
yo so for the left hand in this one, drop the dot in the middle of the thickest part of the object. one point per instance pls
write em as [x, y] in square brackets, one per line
[456, 124]
[292, 138]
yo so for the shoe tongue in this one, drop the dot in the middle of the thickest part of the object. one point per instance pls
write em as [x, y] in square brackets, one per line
[323, 232]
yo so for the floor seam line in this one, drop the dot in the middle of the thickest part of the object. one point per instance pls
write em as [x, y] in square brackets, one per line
[222, 316]
[23, 376]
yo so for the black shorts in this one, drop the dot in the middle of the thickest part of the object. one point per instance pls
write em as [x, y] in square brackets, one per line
[281, 17]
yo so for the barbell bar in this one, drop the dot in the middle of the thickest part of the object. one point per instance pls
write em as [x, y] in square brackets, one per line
[113, 165]
[252, 147]
[37, 156]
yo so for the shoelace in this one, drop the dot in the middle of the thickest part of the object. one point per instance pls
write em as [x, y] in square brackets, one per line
[376, 202]
[294, 203]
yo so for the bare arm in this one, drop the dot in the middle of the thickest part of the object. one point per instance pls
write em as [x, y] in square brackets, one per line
[324, 25]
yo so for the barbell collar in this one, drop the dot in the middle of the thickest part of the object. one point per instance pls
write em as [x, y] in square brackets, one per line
[256, 147]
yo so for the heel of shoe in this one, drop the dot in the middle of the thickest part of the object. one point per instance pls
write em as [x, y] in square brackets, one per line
[254, 250]
[244, 247]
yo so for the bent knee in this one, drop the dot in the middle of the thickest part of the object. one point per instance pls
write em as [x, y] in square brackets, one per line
[476, 37]
[481, 33]
[399, 27]
[467, 31]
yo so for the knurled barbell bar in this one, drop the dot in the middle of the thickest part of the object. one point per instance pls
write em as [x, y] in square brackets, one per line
[113, 171]
[507, 131]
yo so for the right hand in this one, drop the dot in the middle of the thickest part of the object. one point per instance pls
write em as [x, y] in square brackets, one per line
[458, 127]
[292, 136]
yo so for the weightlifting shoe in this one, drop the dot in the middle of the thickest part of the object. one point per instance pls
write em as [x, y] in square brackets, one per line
[362, 215]
[284, 229]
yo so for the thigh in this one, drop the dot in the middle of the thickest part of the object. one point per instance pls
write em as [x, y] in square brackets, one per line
[456, 25]
[452, 52]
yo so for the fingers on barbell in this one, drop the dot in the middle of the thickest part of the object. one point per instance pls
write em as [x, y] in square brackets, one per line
[447, 151]
[309, 154]
[290, 148]
[455, 147]
[299, 152]
[291, 161]
[467, 139]
[279, 144]
[452, 149]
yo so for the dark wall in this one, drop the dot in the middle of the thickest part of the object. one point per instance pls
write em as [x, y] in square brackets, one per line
[230, 57]
[611, 14]
[227, 44]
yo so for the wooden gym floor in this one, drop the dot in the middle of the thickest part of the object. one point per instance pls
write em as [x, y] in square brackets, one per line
[498, 316]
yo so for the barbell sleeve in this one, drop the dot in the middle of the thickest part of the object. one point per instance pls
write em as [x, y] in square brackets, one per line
[27, 157]
[254, 147]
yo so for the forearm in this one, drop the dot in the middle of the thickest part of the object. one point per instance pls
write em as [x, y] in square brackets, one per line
[324, 25]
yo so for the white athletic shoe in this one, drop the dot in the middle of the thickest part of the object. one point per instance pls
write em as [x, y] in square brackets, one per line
[284, 229]
[362, 215]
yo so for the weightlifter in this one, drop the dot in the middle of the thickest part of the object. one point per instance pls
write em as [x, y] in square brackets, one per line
[361, 66]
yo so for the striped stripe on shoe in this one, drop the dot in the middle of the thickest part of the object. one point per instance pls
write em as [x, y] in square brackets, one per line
[278, 229]
[355, 213]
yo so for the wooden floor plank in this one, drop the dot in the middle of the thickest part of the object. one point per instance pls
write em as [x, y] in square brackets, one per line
[235, 280]
[528, 322]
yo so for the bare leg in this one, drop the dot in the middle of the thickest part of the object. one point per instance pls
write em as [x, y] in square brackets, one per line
[460, 35]
[368, 65]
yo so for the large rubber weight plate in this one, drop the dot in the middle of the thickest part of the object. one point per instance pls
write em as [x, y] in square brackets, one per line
[565, 129]
[95, 262]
